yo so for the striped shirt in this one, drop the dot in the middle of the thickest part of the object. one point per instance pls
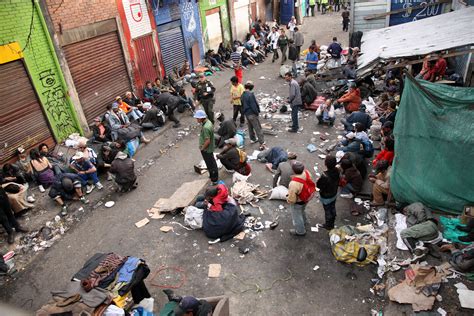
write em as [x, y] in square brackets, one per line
[235, 57]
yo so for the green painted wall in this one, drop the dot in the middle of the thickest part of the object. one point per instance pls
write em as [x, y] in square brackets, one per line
[205, 5]
[41, 63]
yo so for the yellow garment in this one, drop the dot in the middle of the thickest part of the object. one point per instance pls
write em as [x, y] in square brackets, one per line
[122, 301]
[236, 93]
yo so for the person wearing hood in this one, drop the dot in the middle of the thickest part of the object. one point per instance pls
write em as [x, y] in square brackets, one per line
[123, 168]
[308, 92]
[227, 129]
[234, 159]
[351, 99]
[67, 186]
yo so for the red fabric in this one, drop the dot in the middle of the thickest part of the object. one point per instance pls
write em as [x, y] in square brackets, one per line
[384, 155]
[239, 74]
[221, 198]
[440, 67]
[309, 187]
[352, 98]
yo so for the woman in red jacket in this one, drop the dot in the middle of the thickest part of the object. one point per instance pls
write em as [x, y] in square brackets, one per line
[351, 99]
[387, 153]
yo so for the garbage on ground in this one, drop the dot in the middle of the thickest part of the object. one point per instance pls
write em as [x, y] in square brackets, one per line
[279, 193]
[166, 229]
[142, 223]
[109, 204]
[245, 192]
[466, 296]
[182, 197]
[311, 148]
[214, 270]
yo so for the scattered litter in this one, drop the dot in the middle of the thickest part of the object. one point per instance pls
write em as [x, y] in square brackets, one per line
[322, 156]
[262, 78]
[316, 268]
[240, 236]
[264, 244]
[466, 298]
[142, 223]
[316, 133]
[315, 228]
[109, 204]
[311, 148]
[215, 241]
[441, 311]
[281, 207]
[214, 270]
[166, 229]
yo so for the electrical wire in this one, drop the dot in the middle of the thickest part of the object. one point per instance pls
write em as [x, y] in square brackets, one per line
[257, 287]
[28, 39]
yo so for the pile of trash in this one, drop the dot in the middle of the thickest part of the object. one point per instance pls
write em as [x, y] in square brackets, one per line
[43, 238]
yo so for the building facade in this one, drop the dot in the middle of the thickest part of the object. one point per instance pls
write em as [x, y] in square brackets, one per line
[215, 23]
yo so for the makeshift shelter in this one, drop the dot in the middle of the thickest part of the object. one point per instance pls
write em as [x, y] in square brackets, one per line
[418, 38]
[434, 147]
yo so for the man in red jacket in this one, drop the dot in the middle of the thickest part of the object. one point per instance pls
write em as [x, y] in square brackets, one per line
[351, 99]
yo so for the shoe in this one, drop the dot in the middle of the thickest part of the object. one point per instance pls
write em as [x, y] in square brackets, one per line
[109, 176]
[11, 238]
[256, 64]
[463, 228]
[20, 229]
[327, 227]
[294, 233]
[63, 211]
[84, 200]
[176, 125]
[145, 140]
[420, 251]
[30, 199]
[290, 130]
[89, 188]
[253, 141]
[155, 128]
[99, 186]
[346, 196]
[41, 188]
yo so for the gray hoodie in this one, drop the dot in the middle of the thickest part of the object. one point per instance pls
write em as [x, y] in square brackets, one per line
[295, 93]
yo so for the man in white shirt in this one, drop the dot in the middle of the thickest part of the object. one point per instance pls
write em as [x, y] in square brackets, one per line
[273, 39]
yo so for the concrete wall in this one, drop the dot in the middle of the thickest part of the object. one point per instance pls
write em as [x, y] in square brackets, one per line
[41, 63]
[205, 5]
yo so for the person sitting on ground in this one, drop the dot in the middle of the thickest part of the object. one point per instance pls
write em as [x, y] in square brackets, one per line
[121, 127]
[123, 168]
[17, 195]
[350, 144]
[7, 219]
[387, 129]
[67, 186]
[367, 148]
[154, 118]
[132, 100]
[224, 51]
[185, 306]
[164, 85]
[117, 118]
[227, 129]
[351, 181]
[251, 110]
[150, 91]
[56, 160]
[351, 100]
[387, 153]
[100, 131]
[272, 157]
[311, 60]
[221, 219]
[23, 164]
[310, 77]
[328, 184]
[283, 174]
[132, 112]
[381, 182]
[104, 159]
[168, 103]
[349, 70]
[89, 153]
[185, 102]
[359, 116]
[11, 173]
[308, 92]
[325, 113]
[461, 259]
[301, 184]
[234, 159]
[390, 114]
[358, 161]
[42, 168]
[86, 170]
[185, 71]
[437, 69]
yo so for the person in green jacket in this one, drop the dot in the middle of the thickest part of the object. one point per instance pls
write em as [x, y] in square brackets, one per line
[312, 3]
[324, 5]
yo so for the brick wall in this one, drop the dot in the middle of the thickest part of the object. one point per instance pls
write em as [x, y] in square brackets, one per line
[69, 14]
[40, 63]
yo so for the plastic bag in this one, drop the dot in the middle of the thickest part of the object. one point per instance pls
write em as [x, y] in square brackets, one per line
[193, 217]
[279, 193]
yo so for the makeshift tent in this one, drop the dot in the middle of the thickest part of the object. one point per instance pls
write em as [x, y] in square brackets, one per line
[434, 146]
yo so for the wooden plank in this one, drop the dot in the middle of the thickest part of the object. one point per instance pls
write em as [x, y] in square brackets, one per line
[419, 61]
[182, 197]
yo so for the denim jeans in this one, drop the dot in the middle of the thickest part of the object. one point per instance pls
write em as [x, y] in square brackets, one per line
[294, 117]
[298, 216]
[91, 176]
[347, 189]
[329, 206]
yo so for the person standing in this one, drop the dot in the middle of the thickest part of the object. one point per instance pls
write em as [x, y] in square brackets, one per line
[291, 26]
[252, 110]
[311, 60]
[283, 44]
[205, 95]
[295, 101]
[298, 38]
[236, 90]
[300, 192]
[337, 5]
[335, 50]
[324, 6]
[312, 3]
[273, 39]
[345, 19]
[328, 185]
[207, 145]
[236, 59]
[293, 57]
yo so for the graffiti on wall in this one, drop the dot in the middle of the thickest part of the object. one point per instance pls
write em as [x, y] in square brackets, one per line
[56, 105]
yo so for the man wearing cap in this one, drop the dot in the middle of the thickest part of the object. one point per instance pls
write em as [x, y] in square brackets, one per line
[85, 170]
[335, 50]
[295, 101]
[185, 306]
[205, 94]
[23, 164]
[297, 206]
[123, 168]
[132, 112]
[234, 159]
[67, 186]
[207, 144]
[227, 129]
[359, 116]
[252, 111]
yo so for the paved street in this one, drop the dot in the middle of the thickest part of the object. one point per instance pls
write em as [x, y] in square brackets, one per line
[275, 278]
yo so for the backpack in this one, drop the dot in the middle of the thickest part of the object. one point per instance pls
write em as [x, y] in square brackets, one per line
[309, 188]
[368, 148]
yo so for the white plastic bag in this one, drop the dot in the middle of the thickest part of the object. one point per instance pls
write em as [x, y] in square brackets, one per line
[236, 177]
[279, 193]
[193, 217]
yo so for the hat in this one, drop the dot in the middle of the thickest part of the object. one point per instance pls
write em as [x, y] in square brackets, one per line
[231, 141]
[200, 114]
[218, 115]
[201, 75]
[20, 150]
[97, 119]
[351, 135]
[118, 98]
[188, 303]
[115, 105]
[339, 155]
[78, 155]
[249, 82]
[297, 167]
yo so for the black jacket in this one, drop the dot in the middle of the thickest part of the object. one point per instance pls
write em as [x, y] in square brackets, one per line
[328, 183]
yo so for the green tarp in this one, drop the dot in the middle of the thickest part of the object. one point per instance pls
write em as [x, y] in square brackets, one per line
[434, 146]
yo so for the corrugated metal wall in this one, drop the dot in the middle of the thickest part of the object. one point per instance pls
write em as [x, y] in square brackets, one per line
[363, 8]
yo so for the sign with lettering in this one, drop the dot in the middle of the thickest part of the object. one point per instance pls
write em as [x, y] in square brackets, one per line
[137, 17]
[413, 15]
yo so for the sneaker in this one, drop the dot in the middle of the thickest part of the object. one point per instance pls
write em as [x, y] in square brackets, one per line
[30, 199]
[89, 188]
[99, 186]
[253, 141]
[63, 210]
[294, 233]
[346, 196]
[41, 188]
[420, 251]
[84, 200]
[290, 130]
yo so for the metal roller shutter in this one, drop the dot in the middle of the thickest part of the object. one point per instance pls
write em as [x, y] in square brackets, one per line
[172, 48]
[98, 69]
[23, 122]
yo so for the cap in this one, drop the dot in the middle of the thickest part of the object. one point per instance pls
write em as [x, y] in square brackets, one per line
[200, 114]
[231, 141]
[339, 155]
[97, 119]
[20, 150]
[115, 105]
[187, 304]
[297, 167]
[249, 82]
[78, 155]
[118, 98]
[218, 115]
[351, 135]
